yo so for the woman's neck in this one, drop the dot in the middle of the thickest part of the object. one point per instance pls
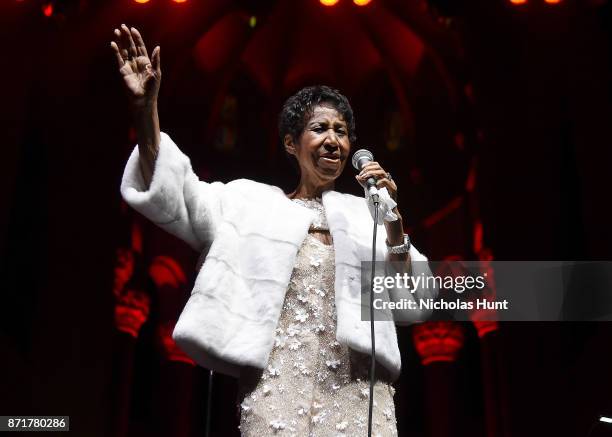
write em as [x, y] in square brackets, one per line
[308, 190]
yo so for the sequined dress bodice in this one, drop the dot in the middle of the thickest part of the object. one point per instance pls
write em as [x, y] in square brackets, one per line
[313, 385]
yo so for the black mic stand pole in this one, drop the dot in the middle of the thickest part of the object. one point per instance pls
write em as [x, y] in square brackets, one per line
[375, 199]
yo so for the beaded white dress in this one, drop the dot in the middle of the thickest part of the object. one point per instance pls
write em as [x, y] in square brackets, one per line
[313, 386]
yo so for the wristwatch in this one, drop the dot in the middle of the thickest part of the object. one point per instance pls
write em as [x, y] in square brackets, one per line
[402, 248]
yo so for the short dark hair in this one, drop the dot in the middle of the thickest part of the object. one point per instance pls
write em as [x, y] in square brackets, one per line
[298, 109]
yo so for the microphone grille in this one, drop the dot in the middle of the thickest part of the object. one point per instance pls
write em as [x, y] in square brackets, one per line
[359, 155]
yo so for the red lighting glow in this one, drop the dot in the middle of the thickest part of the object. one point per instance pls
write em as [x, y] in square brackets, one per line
[328, 2]
[553, 2]
[141, 1]
[179, 1]
[485, 327]
[48, 9]
[169, 348]
[362, 2]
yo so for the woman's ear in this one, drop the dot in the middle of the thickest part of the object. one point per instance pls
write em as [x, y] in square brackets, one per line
[289, 146]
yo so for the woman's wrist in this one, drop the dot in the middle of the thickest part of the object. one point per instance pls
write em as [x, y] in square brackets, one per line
[146, 122]
[395, 230]
[143, 107]
[148, 135]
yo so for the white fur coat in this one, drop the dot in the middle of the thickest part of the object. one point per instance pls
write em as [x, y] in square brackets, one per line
[249, 234]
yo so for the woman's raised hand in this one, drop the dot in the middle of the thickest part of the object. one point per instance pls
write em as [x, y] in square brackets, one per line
[141, 74]
[142, 77]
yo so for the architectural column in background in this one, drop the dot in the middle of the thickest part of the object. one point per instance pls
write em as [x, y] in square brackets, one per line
[132, 307]
[438, 345]
[493, 376]
[177, 378]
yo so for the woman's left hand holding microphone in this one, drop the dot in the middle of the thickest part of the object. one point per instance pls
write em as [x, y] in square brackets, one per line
[383, 180]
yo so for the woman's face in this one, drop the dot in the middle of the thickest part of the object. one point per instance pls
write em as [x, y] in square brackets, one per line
[323, 147]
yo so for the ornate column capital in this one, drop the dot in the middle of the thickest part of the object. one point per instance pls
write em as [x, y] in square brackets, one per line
[131, 311]
[438, 341]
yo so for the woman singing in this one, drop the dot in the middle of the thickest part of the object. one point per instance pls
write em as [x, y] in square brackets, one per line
[277, 301]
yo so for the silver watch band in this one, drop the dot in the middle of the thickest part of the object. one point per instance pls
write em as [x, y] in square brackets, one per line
[402, 248]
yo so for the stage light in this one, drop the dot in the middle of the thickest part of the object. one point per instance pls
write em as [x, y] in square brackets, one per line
[179, 1]
[141, 1]
[47, 9]
[518, 2]
[553, 2]
[362, 2]
[328, 2]
[605, 419]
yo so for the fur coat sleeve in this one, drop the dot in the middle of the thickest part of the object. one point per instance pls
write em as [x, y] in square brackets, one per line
[176, 200]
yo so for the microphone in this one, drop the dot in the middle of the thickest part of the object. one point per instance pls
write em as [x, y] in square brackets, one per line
[360, 158]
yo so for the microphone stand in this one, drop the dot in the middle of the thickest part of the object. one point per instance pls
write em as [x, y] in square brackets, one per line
[375, 200]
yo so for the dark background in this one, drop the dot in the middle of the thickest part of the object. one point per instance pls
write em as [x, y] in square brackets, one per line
[517, 97]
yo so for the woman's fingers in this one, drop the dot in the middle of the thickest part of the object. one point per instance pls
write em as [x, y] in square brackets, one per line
[121, 44]
[370, 166]
[389, 185]
[384, 182]
[119, 41]
[129, 41]
[140, 45]
[373, 169]
[115, 48]
[377, 173]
